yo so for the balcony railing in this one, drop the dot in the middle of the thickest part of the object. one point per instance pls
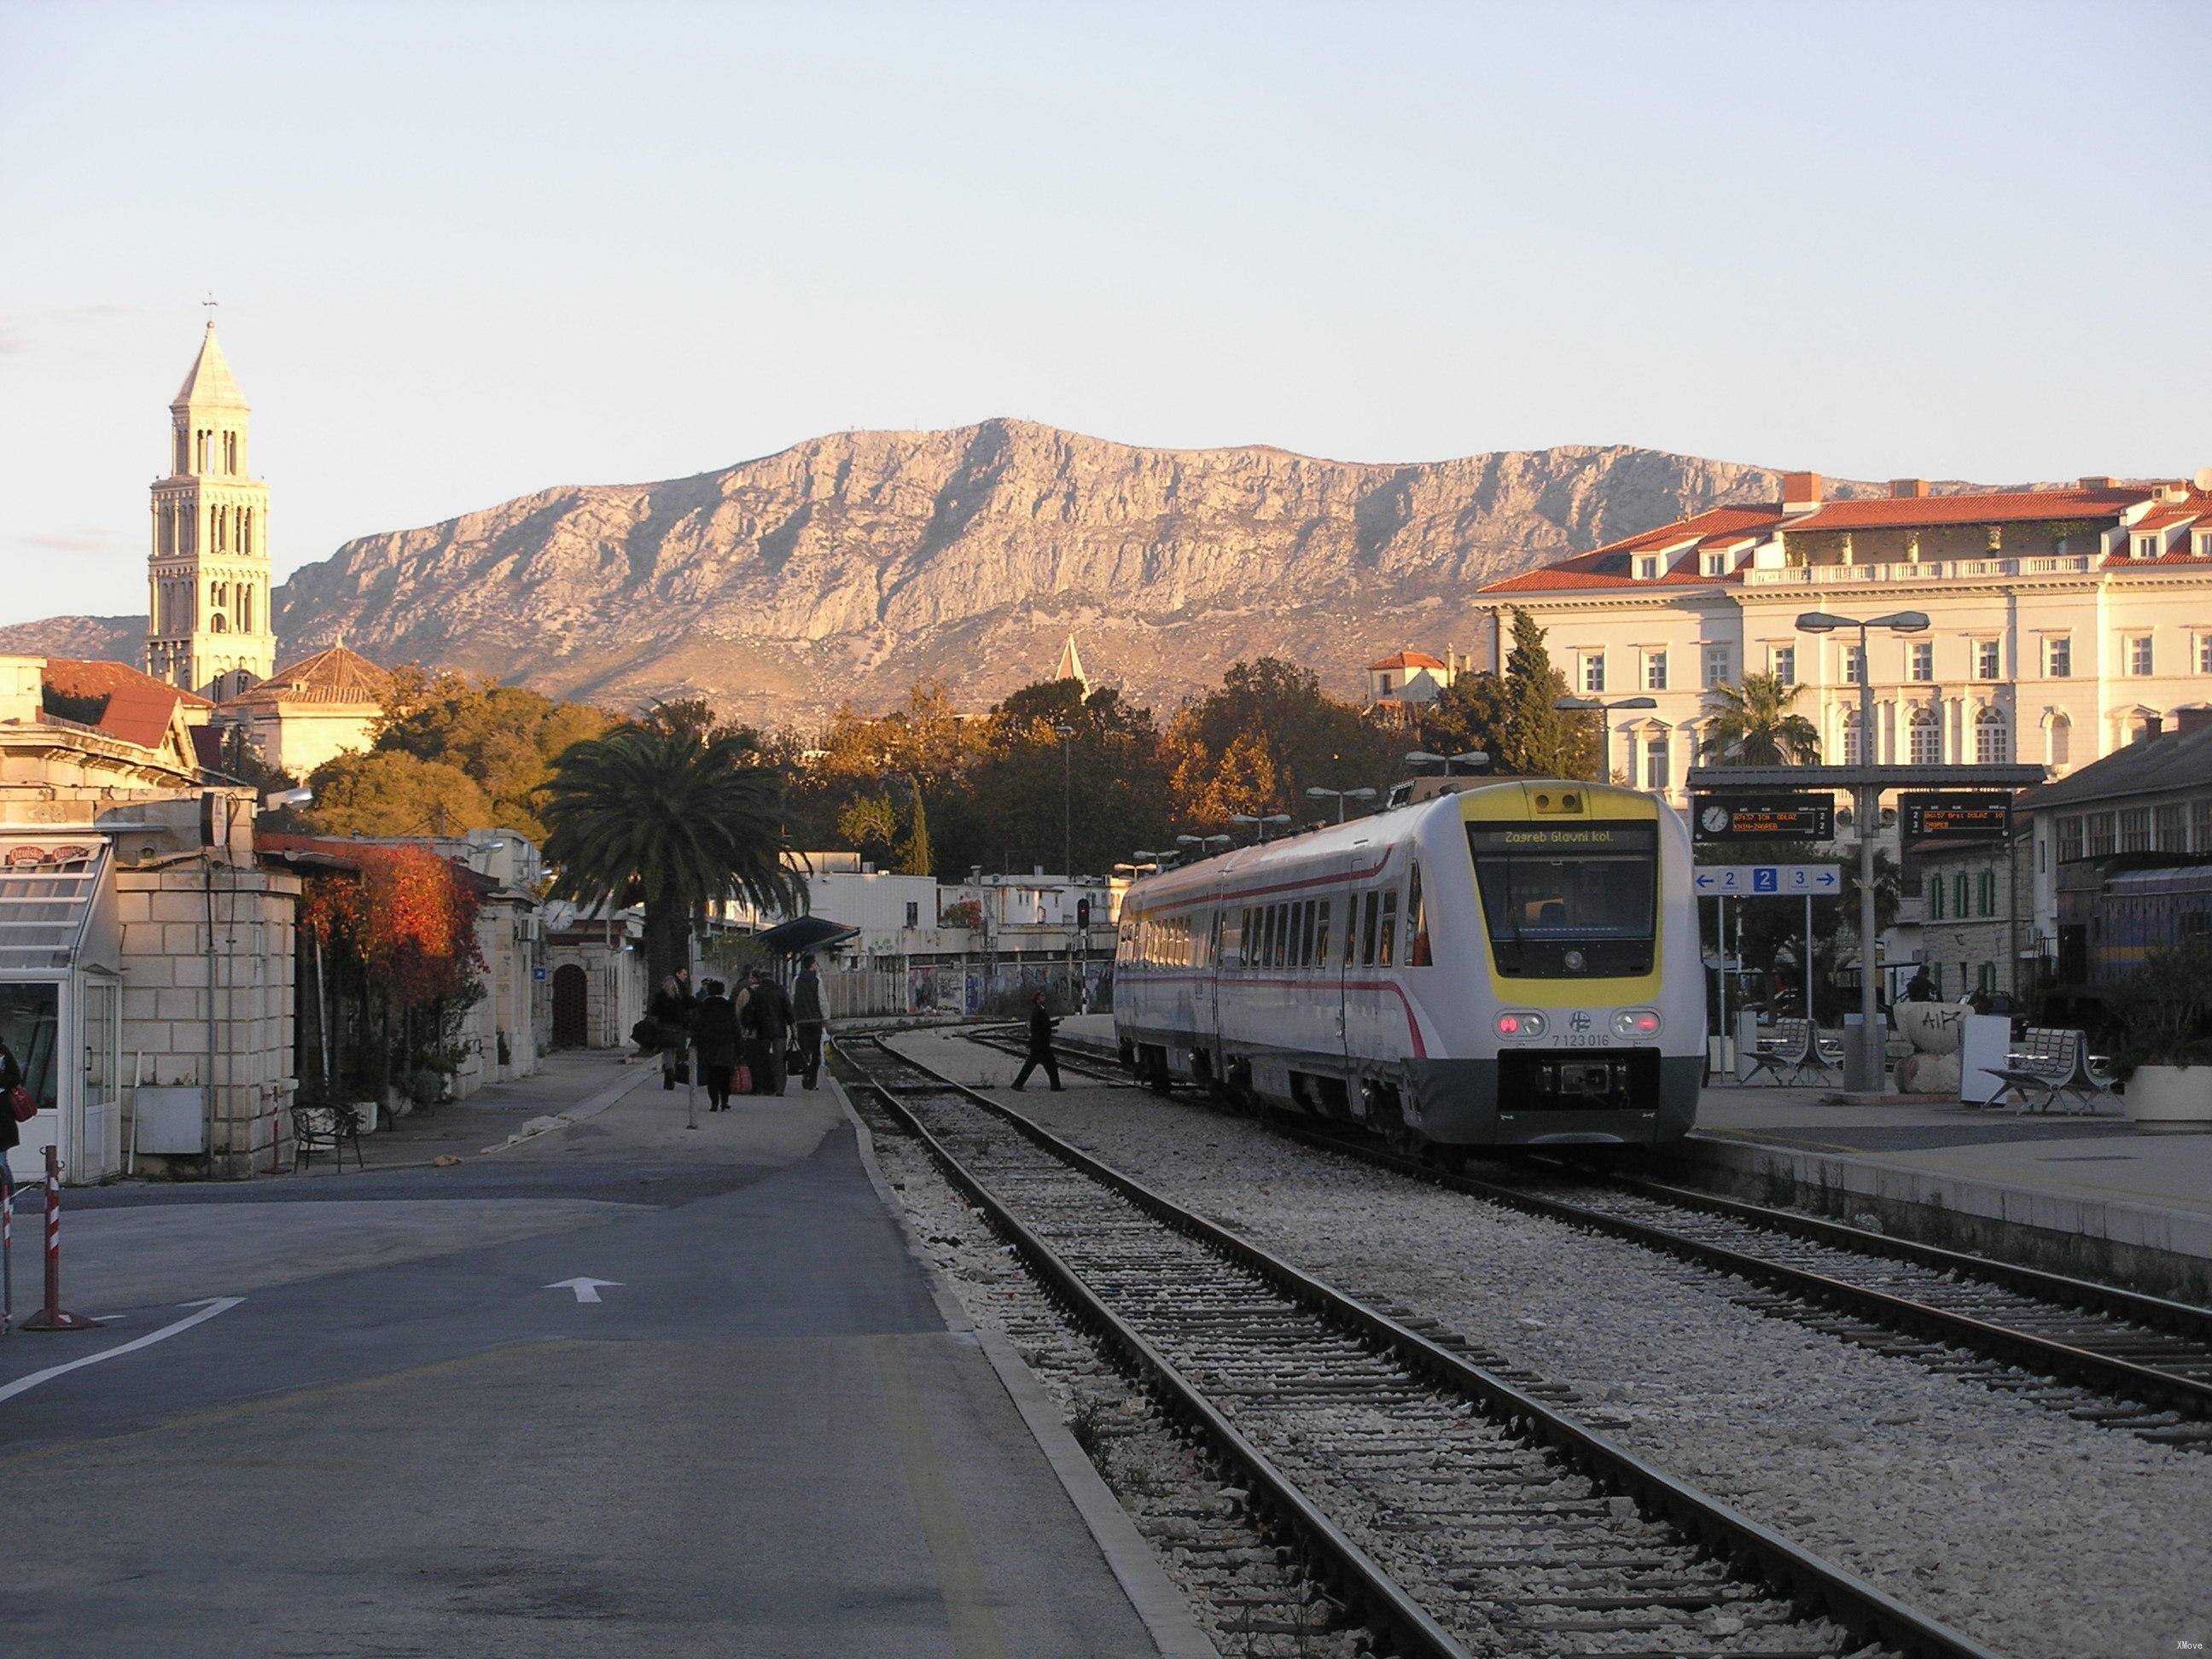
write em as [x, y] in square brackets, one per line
[1927, 570]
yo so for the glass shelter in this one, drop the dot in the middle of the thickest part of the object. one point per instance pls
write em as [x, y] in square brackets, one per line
[61, 1002]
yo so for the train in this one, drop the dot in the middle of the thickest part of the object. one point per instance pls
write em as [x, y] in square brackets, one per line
[1511, 964]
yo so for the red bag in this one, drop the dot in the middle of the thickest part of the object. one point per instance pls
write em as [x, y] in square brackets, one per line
[741, 1080]
[20, 1103]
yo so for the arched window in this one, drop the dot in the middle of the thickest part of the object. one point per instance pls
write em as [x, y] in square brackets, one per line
[218, 623]
[2061, 740]
[1992, 738]
[1927, 736]
[1851, 739]
[245, 530]
[245, 608]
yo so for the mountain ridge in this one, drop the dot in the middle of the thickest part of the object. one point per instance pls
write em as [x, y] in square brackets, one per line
[842, 568]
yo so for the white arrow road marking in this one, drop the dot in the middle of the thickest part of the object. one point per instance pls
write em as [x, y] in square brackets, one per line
[209, 1307]
[586, 1290]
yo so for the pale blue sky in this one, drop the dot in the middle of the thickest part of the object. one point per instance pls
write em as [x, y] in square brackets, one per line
[465, 252]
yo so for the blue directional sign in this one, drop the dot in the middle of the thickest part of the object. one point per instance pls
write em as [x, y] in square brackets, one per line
[1766, 880]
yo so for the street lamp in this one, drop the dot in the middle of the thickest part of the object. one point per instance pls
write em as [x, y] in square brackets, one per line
[1602, 708]
[1873, 1045]
[1205, 843]
[1342, 795]
[1067, 802]
[1278, 819]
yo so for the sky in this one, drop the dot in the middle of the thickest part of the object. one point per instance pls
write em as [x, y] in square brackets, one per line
[465, 252]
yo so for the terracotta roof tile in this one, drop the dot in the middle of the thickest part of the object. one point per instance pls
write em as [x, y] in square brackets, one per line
[1998, 506]
[78, 676]
[1406, 660]
[334, 675]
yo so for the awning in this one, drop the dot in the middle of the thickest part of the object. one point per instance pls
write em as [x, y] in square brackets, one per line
[805, 933]
[46, 895]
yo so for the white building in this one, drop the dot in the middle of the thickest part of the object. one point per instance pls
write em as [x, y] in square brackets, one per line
[2064, 622]
[1406, 679]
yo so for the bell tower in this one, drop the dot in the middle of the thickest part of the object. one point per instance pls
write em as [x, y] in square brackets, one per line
[208, 575]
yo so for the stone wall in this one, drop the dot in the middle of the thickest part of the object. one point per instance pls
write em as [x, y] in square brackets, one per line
[166, 972]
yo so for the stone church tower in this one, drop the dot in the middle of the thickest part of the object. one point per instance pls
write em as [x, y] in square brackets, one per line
[208, 628]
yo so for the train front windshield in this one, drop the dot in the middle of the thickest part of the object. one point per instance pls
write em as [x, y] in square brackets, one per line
[1567, 901]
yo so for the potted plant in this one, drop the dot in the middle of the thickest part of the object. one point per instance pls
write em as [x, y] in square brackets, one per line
[2166, 1063]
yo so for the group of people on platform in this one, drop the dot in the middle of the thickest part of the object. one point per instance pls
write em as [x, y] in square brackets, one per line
[749, 1043]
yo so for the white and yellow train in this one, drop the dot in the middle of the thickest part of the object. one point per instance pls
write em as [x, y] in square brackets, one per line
[1515, 964]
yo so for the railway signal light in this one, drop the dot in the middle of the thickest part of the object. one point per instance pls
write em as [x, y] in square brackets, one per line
[1083, 913]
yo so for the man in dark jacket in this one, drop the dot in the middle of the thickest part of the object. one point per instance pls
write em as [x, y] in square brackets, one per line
[1041, 1025]
[771, 1010]
[714, 1041]
[806, 1010]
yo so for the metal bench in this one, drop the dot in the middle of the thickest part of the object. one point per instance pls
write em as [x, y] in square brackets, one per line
[2051, 1063]
[325, 1128]
[1793, 1050]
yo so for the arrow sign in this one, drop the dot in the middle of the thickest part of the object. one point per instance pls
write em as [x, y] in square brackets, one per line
[586, 1290]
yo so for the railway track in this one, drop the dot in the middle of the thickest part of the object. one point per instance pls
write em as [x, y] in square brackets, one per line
[1452, 1510]
[2098, 1352]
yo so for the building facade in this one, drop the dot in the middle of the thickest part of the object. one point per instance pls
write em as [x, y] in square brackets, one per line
[310, 711]
[2064, 623]
[209, 629]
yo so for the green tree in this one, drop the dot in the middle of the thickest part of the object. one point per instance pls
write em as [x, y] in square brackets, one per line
[1308, 739]
[503, 737]
[1751, 725]
[1540, 739]
[391, 793]
[915, 857]
[671, 820]
[870, 826]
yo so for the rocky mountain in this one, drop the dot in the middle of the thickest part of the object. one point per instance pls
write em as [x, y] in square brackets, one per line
[844, 569]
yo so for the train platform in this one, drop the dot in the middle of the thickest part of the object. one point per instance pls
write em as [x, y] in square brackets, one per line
[2086, 1194]
[626, 1387]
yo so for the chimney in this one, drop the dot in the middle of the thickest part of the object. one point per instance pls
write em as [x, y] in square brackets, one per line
[1907, 489]
[1801, 491]
[2152, 726]
[2204, 479]
[2192, 717]
[2099, 481]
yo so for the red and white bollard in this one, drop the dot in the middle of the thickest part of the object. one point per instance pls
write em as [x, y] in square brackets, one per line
[53, 1317]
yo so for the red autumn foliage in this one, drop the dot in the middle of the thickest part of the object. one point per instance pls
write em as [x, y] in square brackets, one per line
[407, 915]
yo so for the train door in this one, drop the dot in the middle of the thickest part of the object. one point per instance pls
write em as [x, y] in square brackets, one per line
[1344, 919]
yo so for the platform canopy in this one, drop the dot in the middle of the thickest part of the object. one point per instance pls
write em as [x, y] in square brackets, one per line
[804, 933]
[1710, 779]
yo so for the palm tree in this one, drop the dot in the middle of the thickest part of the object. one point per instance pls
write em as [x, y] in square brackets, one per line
[1754, 726]
[672, 817]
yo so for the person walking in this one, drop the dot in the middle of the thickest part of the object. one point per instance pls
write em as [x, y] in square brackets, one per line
[671, 1014]
[773, 1016]
[714, 1041]
[1041, 1025]
[806, 1012]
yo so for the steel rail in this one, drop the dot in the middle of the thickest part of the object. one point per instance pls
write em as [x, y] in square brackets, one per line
[2108, 1374]
[1816, 1586]
[1368, 1591]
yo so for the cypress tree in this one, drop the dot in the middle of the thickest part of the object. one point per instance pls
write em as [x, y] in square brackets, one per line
[916, 858]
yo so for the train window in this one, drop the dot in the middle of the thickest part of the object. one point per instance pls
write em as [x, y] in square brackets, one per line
[1306, 936]
[1558, 902]
[1350, 928]
[1386, 949]
[1367, 942]
[1266, 958]
[1281, 951]
[1417, 954]
[1322, 910]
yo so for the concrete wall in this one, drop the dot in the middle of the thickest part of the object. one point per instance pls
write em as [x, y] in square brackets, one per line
[167, 993]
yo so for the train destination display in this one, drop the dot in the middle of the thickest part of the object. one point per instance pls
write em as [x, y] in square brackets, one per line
[1764, 817]
[1979, 816]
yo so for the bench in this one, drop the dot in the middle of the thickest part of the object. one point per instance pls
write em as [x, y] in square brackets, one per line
[325, 1128]
[2051, 1063]
[1793, 1050]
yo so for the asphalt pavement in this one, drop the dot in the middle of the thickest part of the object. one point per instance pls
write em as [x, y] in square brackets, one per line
[628, 1388]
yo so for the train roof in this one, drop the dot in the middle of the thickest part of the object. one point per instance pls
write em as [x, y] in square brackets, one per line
[1391, 825]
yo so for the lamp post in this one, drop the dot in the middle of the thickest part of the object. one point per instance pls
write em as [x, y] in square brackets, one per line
[1207, 845]
[1066, 801]
[1278, 819]
[1342, 795]
[1599, 707]
[1874, 1050]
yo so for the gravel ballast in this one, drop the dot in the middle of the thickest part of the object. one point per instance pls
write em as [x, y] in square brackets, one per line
[2044, 1537]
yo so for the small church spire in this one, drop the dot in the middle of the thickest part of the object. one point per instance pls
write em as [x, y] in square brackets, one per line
[1070, 666]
